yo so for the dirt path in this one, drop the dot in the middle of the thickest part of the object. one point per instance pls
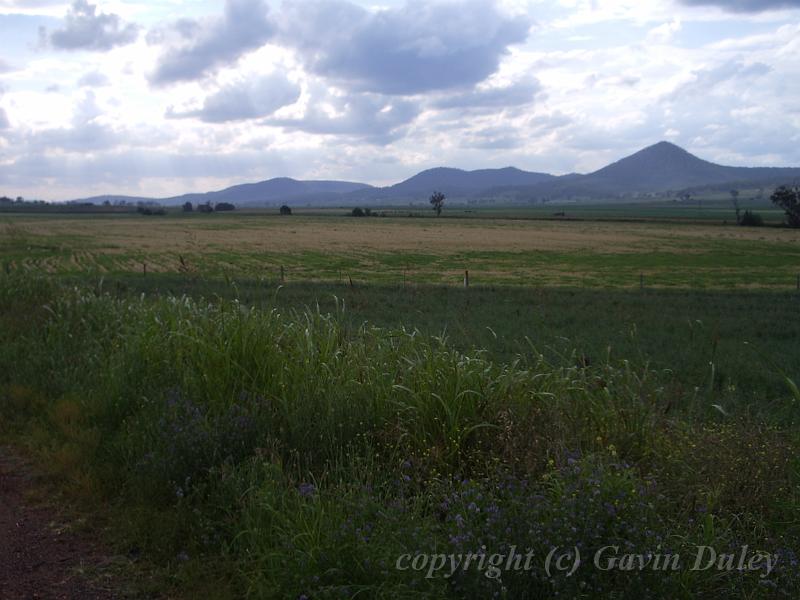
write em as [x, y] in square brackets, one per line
[39, 557]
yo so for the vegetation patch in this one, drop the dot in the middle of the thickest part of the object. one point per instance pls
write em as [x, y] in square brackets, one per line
[268, 452]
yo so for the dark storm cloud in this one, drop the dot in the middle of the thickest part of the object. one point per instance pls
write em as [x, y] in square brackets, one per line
[204, 46]
[86, 29]
[368, 117]
[419, 47]
[242, 100]
[744, 6]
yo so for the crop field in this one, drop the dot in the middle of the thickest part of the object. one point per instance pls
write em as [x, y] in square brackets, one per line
[593, 254]
[601, 384]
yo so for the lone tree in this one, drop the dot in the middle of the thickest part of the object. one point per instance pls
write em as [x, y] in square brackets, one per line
[789, 200]
[735, 200]
[285, 210]
[187, 207]
[437, 202]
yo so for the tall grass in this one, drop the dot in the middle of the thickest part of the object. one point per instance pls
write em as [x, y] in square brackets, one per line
[283, 454]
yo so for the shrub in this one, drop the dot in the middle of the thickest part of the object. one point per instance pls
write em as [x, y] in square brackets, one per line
[150, 211]
[751, 219]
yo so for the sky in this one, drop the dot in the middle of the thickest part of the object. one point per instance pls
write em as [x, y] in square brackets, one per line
[163, 97]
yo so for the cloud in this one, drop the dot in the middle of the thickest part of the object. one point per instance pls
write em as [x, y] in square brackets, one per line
[203, 47]
[93, 79]
[419, 47]
[4, 122]
[369, 117]
[706, 81]
[519, 93]
[29, 3]
[664, 33]
[745, 6]
[495, 138]
[84, 134]
[245, 99]
[141, 170]
[86, 29]
[89, 131]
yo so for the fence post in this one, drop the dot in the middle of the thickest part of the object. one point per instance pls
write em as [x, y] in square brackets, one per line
[283, 275]
[144, 269]
[466, 278]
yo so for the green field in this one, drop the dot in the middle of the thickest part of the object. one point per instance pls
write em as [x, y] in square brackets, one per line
[603, 381]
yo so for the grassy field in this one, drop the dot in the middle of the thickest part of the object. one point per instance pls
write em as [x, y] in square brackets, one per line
[266, 439]
[592, 254]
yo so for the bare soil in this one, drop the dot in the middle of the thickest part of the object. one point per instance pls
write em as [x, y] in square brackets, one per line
[41, 555]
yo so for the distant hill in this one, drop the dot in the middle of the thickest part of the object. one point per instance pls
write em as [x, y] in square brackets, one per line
[271, 191]
[279, 189]
[663, 167]
[456, 184]
[456, 181]
[659, 168]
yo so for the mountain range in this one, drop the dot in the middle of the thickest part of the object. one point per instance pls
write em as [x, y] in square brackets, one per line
[661, 169]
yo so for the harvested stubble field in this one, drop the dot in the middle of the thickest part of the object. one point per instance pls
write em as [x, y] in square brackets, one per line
[421, 250]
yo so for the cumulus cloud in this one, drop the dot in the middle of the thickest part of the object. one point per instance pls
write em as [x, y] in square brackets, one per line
[138, 170]
[93, 79]
[88, 131]
[86, 29]
[4, 122]
[84, 134]
[518, 93]
[745, 6]
[245, 99]
[418, 47]
[664, 33]
[495, 138]
[368, 117]
[707, 80]
[198, 48]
